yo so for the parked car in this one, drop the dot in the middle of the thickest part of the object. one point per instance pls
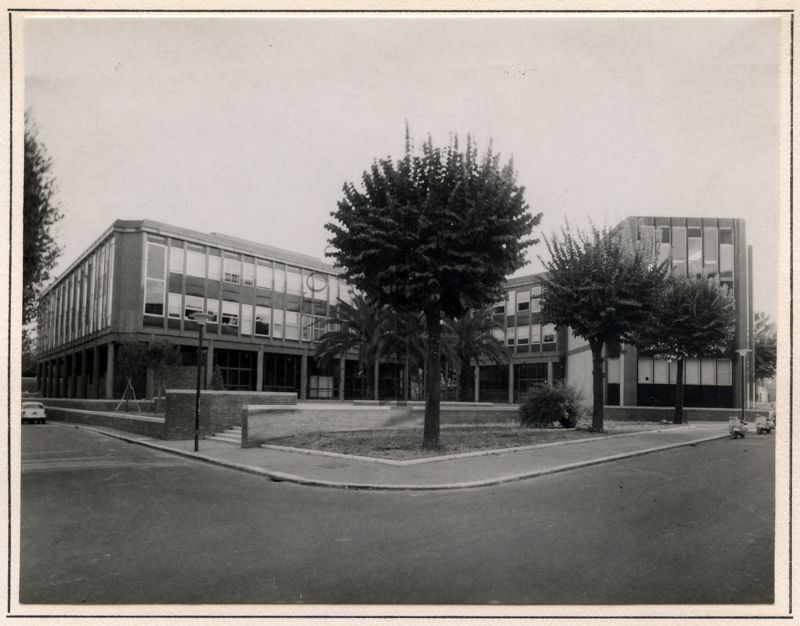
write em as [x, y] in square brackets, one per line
[33, 412]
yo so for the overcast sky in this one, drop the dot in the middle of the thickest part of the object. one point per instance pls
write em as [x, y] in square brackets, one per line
[250, 125]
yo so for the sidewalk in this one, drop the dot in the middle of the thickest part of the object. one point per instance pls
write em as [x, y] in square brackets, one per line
[450, 472]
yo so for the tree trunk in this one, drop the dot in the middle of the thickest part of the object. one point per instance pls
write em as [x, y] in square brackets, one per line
[678, 419]
[466, 378]
[406, 380]
[597, 385]
[433, 372]
[376, 378]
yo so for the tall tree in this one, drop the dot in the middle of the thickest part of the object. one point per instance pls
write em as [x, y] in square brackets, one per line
[161, 354]
[434, 233]
[604, 288]
[695, 317]
[39, 214]
[472, 338]
[361, 327]
[766, 346]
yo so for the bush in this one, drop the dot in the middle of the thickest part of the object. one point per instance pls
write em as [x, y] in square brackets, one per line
[545, 405]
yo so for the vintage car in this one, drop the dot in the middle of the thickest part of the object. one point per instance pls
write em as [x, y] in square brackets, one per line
[33, 412]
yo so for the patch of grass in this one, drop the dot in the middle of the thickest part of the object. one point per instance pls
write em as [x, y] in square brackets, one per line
[406, 443]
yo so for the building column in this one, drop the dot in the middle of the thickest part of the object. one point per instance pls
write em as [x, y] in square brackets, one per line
[96, 372]
[342, 371]
[209, 364]
[549, 372]
[109, 390]
[304, 376]
[50, 377]
[62, 377]
[622, 377]
[260, 370]
[477, 374]
[511, 382]
[69, 370]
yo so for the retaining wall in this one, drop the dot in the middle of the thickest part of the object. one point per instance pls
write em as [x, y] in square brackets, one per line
[139, 424]
[659, 413]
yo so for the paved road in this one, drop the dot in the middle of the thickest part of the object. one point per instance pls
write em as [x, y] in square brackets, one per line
[104, 521]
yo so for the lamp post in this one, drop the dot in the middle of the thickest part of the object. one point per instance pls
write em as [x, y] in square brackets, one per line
[742, 352]
[200, 319]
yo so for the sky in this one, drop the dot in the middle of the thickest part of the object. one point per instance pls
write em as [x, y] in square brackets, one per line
[250, 125]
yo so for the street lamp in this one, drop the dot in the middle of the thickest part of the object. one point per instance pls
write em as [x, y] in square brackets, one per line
[742, 352]
[200, 319]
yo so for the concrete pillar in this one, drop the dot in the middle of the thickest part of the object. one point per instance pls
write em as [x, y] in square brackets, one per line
[69, 370]
[109, 390]
[209, 364]
[96, 372]
[304, 376]
[342, 371]
[550, 372]
[260, 370]
[511, 382]
[62, 377]
[622, 377]
[477, 374]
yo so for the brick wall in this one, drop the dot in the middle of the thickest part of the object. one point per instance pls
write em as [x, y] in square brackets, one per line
[147, 426]
[180, 377]
[89, 405]
[219, 410]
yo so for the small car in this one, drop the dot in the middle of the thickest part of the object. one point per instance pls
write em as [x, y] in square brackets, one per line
[33, 412]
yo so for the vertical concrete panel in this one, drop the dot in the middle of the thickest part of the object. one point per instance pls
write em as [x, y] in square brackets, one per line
[109, 390]
[304, 376]
[260, 370]
[476, 373]
[95, 372]
[511, 382]
[209, 364]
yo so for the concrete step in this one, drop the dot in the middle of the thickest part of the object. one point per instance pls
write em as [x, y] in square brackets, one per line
[231, 435]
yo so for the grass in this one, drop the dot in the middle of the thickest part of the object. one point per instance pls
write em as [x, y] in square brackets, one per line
[406, 443]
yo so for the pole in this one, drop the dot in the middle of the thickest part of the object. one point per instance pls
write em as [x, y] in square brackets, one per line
[197, 397]
[743, 387]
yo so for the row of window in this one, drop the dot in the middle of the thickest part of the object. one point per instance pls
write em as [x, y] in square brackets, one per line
[81, 303]
[521, 301]
[526, 334]
[235, 269]
[696, 250]
[707, 372]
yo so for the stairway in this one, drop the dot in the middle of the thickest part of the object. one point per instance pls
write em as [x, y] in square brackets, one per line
[232, 435]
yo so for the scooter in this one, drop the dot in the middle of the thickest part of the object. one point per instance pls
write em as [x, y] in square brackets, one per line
[737, 427]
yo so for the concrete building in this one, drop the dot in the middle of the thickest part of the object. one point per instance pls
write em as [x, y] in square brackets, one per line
[142, 280]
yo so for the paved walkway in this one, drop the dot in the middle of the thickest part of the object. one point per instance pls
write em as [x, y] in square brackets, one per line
[448, 472]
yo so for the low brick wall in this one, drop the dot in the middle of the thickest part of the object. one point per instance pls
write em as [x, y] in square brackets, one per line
[141, 425]
[90, 405]
[658, 414]
[260, 423]
[219, 410]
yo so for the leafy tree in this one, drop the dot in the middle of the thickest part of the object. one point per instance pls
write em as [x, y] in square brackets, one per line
[28, 353]
[604, 288]
[39, 214]
[472, 338]
[161, 354]
[694, 317]
[361, 327]
[766, 346]
[435, 234]
[131, 359]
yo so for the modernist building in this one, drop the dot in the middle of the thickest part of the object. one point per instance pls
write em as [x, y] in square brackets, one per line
[142, 280]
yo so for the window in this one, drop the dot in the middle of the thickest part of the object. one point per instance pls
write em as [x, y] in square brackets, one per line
[280, 280]
[695, 257]
[264, 275]
[523, 335]
[726, 253]
[724, 373]
[612, 371]
[499, 334]
[247, 319]
[691, 374]
[499, 308]
[195, 263]
[262, 321]
[174, 305]
[646, 236]
[511, 298]
[510, 335]
[292, 319]
[230, 313]
[176, 259]
[213, 265]
[233, 270]
[679, 250]
[548, 333]
[155, 279]
[710, 250]
[277, 323]
[663, 242]
[660, 372]
[212, 308]
[307, 327]
[708, 372]
[523, 300]
[192, 305]
[645, 370]
[536, 302]
[333, 289]
[536, 334]
[248, 273]
[293, 281]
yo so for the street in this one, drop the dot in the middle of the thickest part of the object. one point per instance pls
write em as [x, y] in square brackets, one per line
[105, 521]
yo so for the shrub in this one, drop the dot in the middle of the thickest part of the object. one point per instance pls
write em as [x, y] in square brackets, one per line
[545, 405]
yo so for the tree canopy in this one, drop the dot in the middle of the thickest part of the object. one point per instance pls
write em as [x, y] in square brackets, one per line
[434, 233]
[766, 346]
[601, 286]
[39, 214]
[694, 317]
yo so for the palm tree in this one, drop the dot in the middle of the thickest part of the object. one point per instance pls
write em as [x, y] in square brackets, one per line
[469, 339]
[361, 327]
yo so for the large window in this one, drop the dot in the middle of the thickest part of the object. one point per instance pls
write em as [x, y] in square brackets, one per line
[176, 258]
[292, 325]
[248, 273]
[523, 300]
[247, 319]
[214, 265]
[536, 334]
[536, 295]
[333, 289]
[293, 281]
[511, 301]
[192, 305]
[233, 270]
[663, 242]
[174, 305]
[277, 323]
[195, 262]
[548, 333]
[695, 242]
[212, 308]
[280, 280]
[262, 321]
[726, 253]
[264, 275]
[230, 313]
[710, 250]
[523, 335]
[679, 250]
[155, 279]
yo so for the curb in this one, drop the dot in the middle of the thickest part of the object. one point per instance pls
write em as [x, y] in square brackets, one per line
[284, 477]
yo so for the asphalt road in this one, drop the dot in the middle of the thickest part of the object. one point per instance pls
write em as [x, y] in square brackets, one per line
[104, 521]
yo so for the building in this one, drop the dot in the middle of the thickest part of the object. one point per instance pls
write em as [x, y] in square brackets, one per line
[142, 280]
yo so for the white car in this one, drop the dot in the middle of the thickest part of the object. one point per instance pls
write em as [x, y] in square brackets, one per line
[33, 412]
